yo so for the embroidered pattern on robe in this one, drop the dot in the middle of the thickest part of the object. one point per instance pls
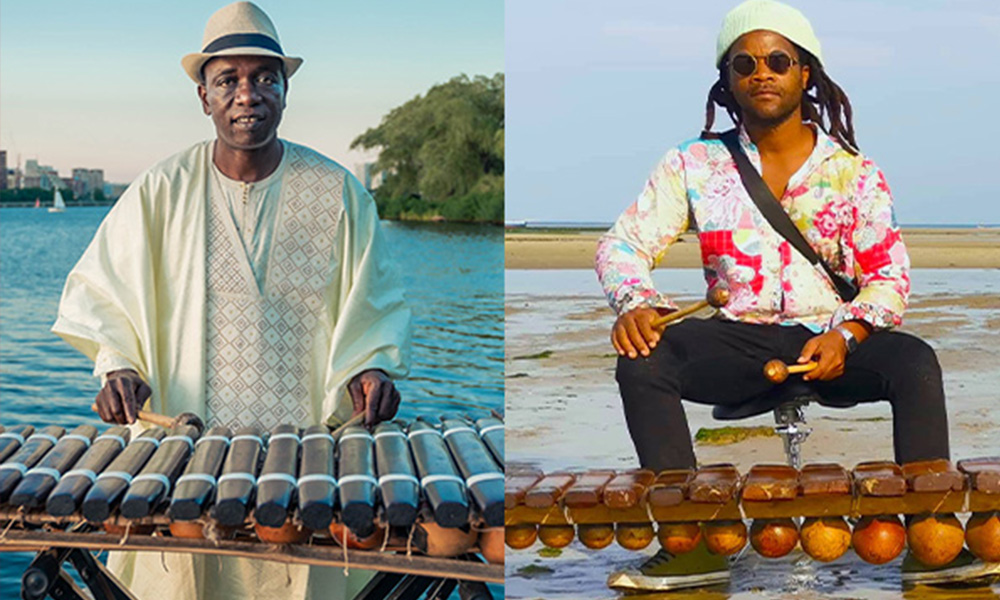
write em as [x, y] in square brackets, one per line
[259, 341]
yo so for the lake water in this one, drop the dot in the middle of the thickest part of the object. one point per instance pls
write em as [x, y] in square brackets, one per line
[453, 276]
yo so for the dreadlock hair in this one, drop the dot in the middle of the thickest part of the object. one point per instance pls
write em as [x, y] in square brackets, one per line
[828, 105]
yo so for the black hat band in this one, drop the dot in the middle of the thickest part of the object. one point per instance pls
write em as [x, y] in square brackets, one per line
[243, 40]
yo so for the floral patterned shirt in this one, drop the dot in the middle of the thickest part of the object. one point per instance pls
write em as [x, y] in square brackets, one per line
[840, 202]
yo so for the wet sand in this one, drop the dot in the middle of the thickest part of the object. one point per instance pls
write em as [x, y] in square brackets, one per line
[563, 412]
[929, 249]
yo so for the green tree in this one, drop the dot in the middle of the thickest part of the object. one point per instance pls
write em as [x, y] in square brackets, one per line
[446, 148]
[28, 196]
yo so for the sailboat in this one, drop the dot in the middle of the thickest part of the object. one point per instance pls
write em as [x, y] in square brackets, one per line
[58, 205]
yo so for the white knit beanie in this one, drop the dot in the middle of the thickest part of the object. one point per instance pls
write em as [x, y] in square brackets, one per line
[768, 15]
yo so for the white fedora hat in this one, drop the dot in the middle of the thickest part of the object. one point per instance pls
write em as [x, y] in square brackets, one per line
[240, 28]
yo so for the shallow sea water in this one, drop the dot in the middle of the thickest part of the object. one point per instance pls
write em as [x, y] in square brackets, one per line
[564, 413]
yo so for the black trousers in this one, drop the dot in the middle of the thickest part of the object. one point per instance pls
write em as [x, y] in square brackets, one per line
[716, 362]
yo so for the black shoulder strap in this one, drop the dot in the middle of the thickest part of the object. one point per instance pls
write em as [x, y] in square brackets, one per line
[776, 215]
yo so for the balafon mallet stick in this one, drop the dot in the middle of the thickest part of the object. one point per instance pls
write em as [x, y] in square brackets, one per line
[717, 297]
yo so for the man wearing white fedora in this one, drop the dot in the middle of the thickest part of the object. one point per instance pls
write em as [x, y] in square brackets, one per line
[245, 280]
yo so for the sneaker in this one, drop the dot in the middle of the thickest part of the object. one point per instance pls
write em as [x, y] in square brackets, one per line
[665, 571]
[965, 570]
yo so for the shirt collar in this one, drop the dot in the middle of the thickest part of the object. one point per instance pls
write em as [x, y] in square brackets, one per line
[232, 184]
[825, 148]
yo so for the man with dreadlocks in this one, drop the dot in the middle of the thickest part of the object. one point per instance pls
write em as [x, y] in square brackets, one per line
[794, 124]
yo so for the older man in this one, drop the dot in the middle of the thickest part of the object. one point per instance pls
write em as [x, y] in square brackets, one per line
[246, 280]
[801, 151]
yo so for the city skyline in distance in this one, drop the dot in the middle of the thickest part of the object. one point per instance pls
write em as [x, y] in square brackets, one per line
[99, 85]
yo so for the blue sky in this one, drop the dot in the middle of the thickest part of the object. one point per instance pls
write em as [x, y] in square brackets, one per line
[98, 84]
[597, 91]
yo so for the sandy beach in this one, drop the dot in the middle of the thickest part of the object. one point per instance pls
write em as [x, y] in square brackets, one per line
[929, 249]
[563, 412]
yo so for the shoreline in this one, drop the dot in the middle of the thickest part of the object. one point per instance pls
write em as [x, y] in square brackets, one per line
[574, 249]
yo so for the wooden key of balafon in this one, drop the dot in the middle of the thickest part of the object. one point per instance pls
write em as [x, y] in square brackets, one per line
[670, 487]
[196, 487]
[588, 489]
[32, 451]
[628, 489]
[356, 478]
[12, 439]
[397, 475]
[111, 483]
[155, 481]
[717, 297]
[36, 484]
[443, 487]
[770, 482]
[715, 484]
[879, 478]
[317, 488]
[237, 485]
[277, 482]
[983, 473]
[483, 478]
[517, 484]
[65, 498]
[491, 430]
[936, 475]
[549, 490]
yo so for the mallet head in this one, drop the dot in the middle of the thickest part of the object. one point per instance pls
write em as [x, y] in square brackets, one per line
[718, 296]
[188, 418]
[776, 371]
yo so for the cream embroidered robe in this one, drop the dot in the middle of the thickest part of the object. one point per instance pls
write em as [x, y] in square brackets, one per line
[210, 340]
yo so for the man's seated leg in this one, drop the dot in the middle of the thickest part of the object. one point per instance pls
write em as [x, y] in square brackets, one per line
[904, 370]
[705, 361]
[708, 361]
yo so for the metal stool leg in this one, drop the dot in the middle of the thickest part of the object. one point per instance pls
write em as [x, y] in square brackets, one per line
[791, 419]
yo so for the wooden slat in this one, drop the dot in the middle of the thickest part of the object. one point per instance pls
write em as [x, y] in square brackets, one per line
[933, 476]
[328, 556]
[825, 505]
[670, 487]
[716, 484]
[587, 490]
[627, 489]
[823, 479]
[698, 511]
[879, 478]
[984, 473]
[911, 503]
[516, 485]
[766, 483]
[548, 490]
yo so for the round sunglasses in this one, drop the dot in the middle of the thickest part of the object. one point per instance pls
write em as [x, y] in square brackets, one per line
[744, 64]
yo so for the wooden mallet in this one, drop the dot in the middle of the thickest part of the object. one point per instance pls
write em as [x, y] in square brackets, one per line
[717, 297]
[185, 418]
[776, 371]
